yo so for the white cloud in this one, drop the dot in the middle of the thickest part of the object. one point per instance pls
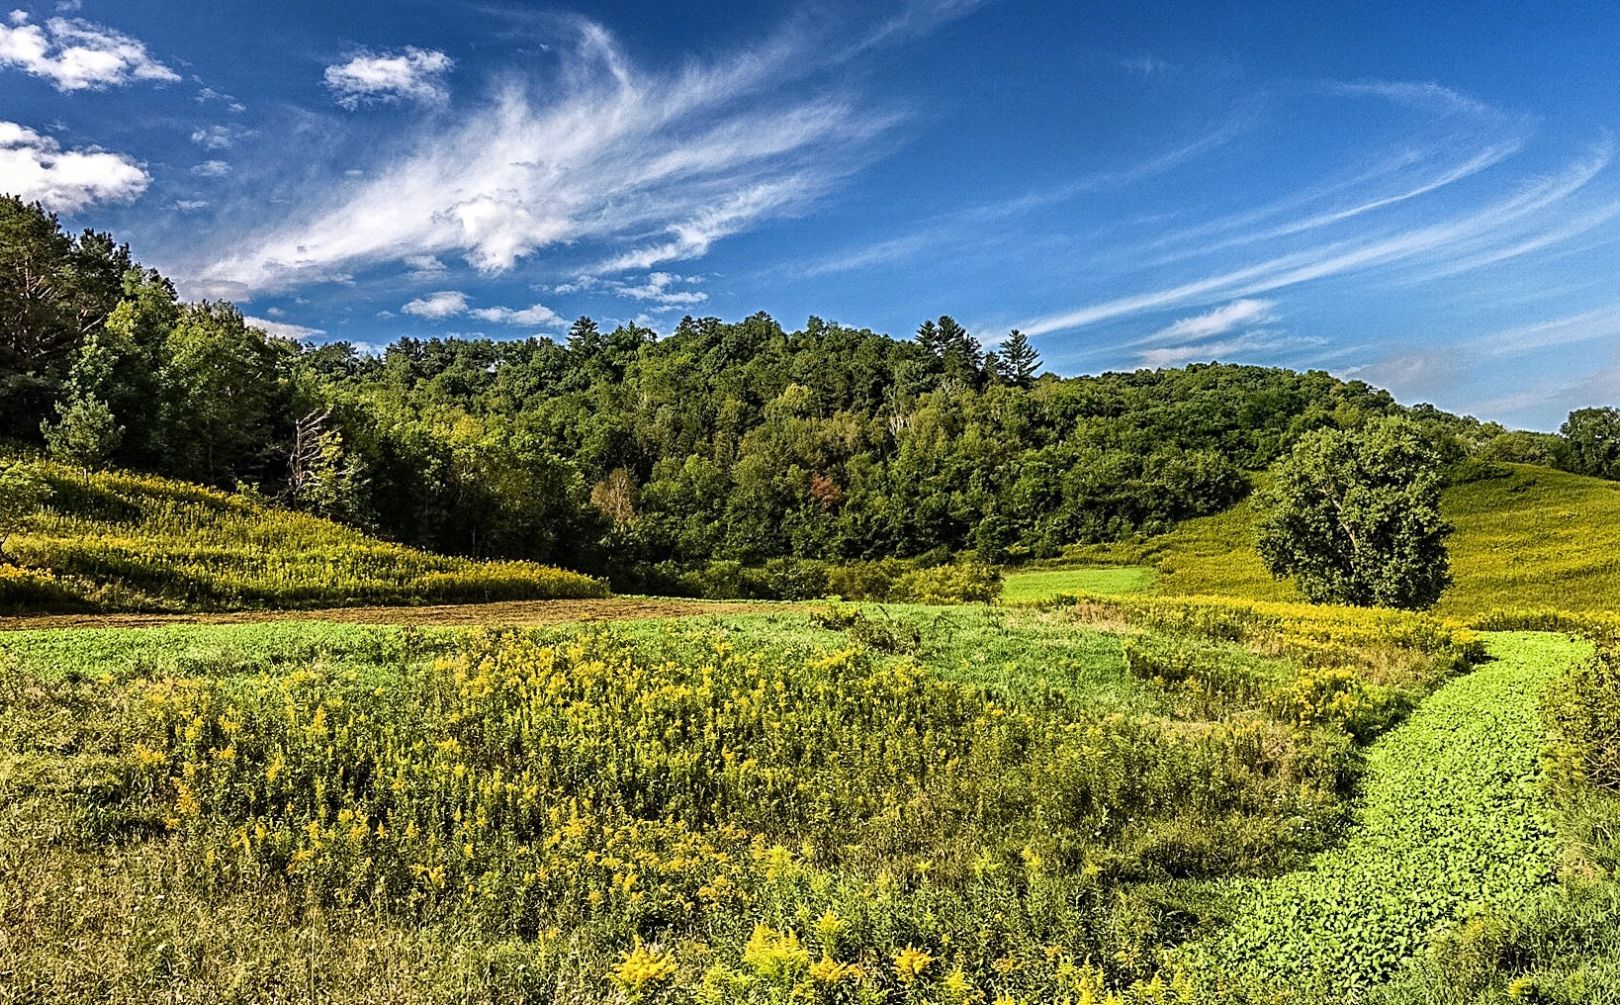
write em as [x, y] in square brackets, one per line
[1495, 225]
[215, 137]
[77, 55]
[539, 314]
[1589, 326]
[211, 169]
[444, 304]
[208, 94]
[282, 329]
[658, 289]
[1249, 345]
[605, 154]
[453, 303]
[191, 205]
[661, 288]
[37, 169]
[425, 266]
[412, 74]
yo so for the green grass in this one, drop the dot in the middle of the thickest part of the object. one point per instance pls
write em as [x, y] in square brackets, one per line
[1534, 538]
[1453, 818]
[212, 650]
[1041, 585]
[119, 541]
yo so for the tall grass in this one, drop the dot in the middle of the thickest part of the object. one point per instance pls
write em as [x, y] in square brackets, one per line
[123, 541]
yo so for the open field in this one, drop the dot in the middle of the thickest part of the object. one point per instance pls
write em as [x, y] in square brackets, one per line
[1028, 586]
[925, 799]
[511, 612]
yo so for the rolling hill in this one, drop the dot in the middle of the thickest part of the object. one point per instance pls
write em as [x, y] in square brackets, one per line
[119, 541]
[1526, 537]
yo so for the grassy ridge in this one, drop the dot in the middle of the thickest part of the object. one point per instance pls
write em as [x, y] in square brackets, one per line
[119, 541]
[1533, 537]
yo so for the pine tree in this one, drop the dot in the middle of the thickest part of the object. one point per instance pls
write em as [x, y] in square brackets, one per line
[928, 337]
[1019, 362]
[85, 433]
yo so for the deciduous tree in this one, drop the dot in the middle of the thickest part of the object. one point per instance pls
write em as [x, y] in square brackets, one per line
[1354, 517]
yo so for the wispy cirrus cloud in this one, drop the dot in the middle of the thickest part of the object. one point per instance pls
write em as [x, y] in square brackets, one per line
[77, 55]
[667, 291]
[36, 169]
[660, 165]
[1219, 321]
[1539, 207]
[410, 74]
[1574, 329]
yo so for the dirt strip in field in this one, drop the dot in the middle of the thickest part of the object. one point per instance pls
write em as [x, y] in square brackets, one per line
[517, 612]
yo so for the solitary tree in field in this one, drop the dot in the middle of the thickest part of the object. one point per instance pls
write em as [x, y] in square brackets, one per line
[84, 434]
[1354, 517]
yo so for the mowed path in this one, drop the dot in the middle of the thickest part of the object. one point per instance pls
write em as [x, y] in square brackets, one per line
[517, 612]
[1451, 817]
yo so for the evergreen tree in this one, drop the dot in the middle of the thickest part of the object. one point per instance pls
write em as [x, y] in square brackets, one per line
[85, 433]
[1018, 361]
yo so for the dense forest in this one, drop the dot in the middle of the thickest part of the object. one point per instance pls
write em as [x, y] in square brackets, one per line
[639, 456]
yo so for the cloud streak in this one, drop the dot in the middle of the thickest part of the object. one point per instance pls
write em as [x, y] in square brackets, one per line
[662, 166]
[1500, 223]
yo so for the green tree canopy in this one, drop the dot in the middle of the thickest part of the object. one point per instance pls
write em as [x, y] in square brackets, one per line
[1593, 435]
[1354, 517]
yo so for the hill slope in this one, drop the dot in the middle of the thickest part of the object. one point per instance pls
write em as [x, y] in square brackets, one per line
[119, 541]
[1530, 537]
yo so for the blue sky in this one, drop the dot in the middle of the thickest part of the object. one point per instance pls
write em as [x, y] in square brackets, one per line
[1421, 195]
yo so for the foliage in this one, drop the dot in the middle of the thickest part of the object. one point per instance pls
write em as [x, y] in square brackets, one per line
[1593, 438]
[120, 541]
[85, 433]
[22, 493]
[1564, 946]
[1354, 517]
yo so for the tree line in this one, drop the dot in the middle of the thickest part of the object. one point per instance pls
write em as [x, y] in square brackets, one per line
[624, 453]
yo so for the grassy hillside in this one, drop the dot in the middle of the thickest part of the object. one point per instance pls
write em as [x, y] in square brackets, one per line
[119, 541]
[1531, 537]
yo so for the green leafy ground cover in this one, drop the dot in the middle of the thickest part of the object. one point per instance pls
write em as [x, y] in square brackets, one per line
[1452, 818]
